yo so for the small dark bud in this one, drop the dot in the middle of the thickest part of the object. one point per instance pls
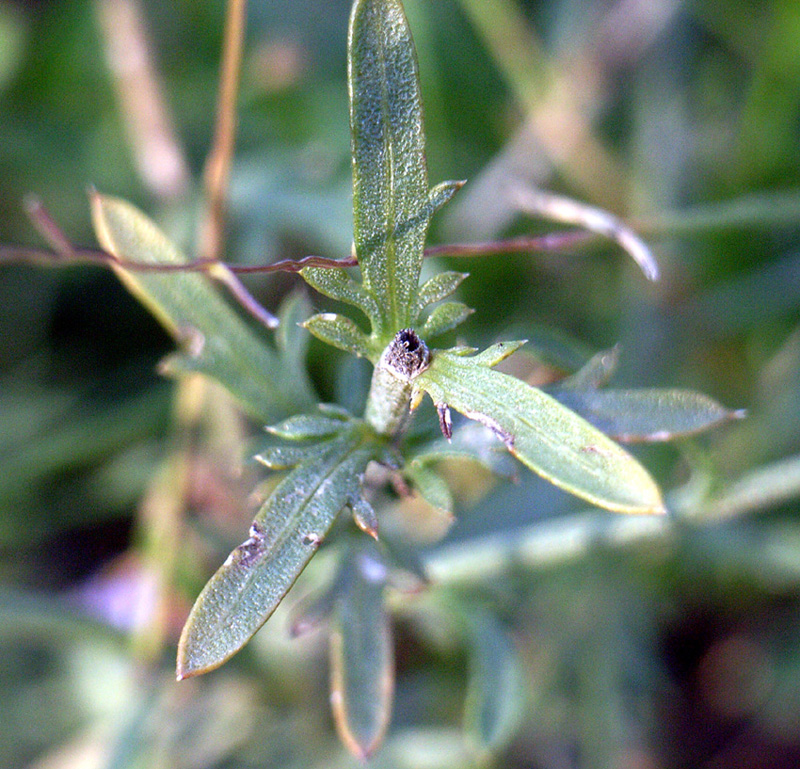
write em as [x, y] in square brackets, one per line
[407, 354]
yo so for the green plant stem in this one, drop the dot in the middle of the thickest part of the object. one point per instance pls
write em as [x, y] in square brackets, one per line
[389, 399]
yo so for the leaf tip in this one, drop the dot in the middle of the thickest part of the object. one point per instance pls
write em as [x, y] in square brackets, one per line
[182, 672]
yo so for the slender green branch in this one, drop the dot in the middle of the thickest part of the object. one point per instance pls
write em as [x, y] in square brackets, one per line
[539, 546]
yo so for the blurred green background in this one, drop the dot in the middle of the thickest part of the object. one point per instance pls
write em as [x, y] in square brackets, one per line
[667, 646]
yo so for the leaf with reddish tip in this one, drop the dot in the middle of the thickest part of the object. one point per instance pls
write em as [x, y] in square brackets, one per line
[365, 517]
[362, 655]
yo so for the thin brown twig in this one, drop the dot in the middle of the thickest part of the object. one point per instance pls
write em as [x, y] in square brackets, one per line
[218, 167]
[64, 252]
[554, 242]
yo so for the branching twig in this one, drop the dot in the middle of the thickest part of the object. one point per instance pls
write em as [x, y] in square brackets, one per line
[65, 253]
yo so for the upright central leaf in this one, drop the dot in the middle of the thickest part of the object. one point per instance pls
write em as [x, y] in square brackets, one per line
[390, 184]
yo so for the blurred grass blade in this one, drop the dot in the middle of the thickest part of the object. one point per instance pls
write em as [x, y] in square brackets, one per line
[287, 531]
[760, 489]
[541, 546]
[768, 210]
[496, 687]
[545, 436]
[219, 342]
[646, 415]
[362, 657]
[558, 208]
[292, 343]
[595, 373]
[390, 182]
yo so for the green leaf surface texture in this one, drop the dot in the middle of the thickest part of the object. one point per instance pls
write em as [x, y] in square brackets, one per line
[391, 205]
[339, 331]
[337, 284]
[545, 436]
[439, 287]
[445, 317]
[303, 426]
[287, 531]
[216, 339]
[430, 485]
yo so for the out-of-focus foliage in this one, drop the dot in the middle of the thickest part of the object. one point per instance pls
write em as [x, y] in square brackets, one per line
[638, 643]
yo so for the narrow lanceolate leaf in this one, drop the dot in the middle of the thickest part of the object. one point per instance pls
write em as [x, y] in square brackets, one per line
[287, 531]
[337, 284]
[496, 687]
[362, 658]
[217, 341]
[545, 436]
[444, 318]
[283, 457]
[390, 182]
[646, 415]
[292, 343]
[341, 332]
